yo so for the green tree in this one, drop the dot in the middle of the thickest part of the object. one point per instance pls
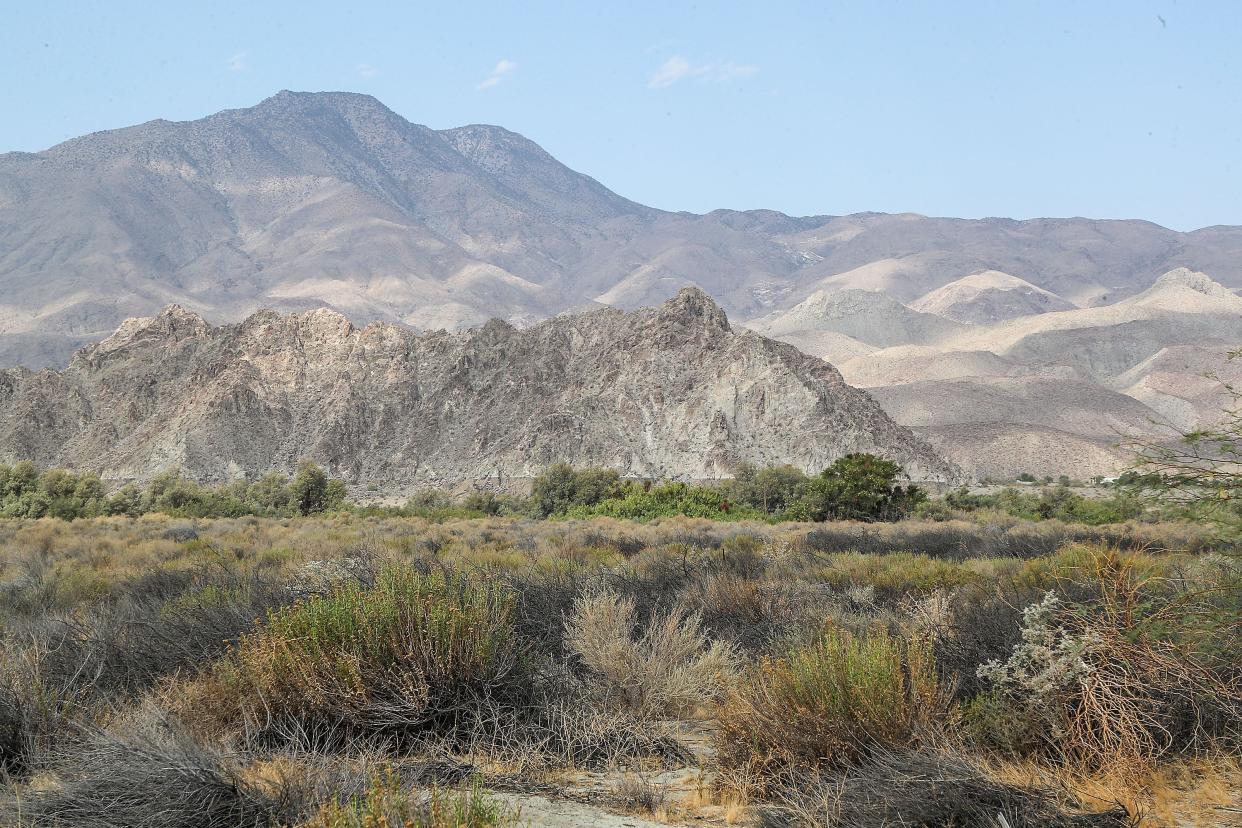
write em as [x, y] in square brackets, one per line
[270, 494]
[125, 501]
[561, 488]
[771, 488]
[857, 487]
[310, 489]
[23, 477]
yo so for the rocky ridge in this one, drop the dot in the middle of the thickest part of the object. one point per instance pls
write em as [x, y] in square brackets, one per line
[670, 392]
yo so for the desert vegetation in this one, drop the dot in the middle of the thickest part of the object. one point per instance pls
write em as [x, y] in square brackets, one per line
[856, 487]
[346, 669]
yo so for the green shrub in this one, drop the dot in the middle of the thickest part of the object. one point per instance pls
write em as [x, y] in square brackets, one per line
[398, 656]
[833, 702]
[638, 502]
[562, 488]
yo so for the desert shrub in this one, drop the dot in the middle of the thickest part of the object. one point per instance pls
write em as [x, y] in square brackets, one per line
[635, 501]
[894, 575]
[834, 702]
[744, 610]
[561, 488]
[386, 802]
[923, 788]
[666, 669]
[543, 597]
[636, 793]
[400, 656]
[984, 624]
[54, 672]
[1089, 685]
[147, 777]
[562, 724]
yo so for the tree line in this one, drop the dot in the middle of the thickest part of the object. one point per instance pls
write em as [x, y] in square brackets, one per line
[27, 492]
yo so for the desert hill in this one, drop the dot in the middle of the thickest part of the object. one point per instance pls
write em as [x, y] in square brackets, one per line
[1053, 392]
[989, 296]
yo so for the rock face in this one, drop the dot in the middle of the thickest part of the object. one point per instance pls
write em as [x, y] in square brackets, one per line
[672, 391]
[332, 200]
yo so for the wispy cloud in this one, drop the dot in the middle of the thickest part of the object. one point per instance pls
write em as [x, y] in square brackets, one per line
[366, 70]
[677, 68]
[503, 68]
[238, 62]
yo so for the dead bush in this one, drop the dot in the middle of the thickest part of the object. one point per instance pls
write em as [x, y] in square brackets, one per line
[666, 669]
[923, 788]
[153, 776]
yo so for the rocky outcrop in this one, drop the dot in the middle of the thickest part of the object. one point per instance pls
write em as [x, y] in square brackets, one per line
[673, 391]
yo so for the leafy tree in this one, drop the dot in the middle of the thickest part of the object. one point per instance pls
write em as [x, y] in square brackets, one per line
[23, 477]
[483, 501]
[310, 488]
[270, 494]
[771, 488]
[561, 488]
[125, 501]
[857, 487]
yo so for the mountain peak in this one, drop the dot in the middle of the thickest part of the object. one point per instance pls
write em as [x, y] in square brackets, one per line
[693, 305]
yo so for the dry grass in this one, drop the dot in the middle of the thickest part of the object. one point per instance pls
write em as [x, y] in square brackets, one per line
[668, 669]
[526, 650]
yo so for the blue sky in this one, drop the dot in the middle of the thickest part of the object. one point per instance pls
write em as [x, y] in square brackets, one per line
[1103, 109]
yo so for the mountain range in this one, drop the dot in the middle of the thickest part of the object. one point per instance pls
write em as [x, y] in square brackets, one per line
[1008, 345]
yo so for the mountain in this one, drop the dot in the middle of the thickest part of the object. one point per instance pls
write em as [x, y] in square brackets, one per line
[332, 200]
[672, 391]
[989, 296]
[1000, 427]
[1050, 392]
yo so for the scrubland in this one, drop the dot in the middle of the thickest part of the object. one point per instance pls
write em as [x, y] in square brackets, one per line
[343, 670]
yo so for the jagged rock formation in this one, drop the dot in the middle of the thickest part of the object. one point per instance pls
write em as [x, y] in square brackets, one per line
[332, 200]
[672, 391]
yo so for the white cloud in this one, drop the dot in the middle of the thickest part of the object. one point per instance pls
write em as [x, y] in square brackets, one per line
[504, 67]
[671, 71]
[677, 68]
[238, 62]
[366, 70]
